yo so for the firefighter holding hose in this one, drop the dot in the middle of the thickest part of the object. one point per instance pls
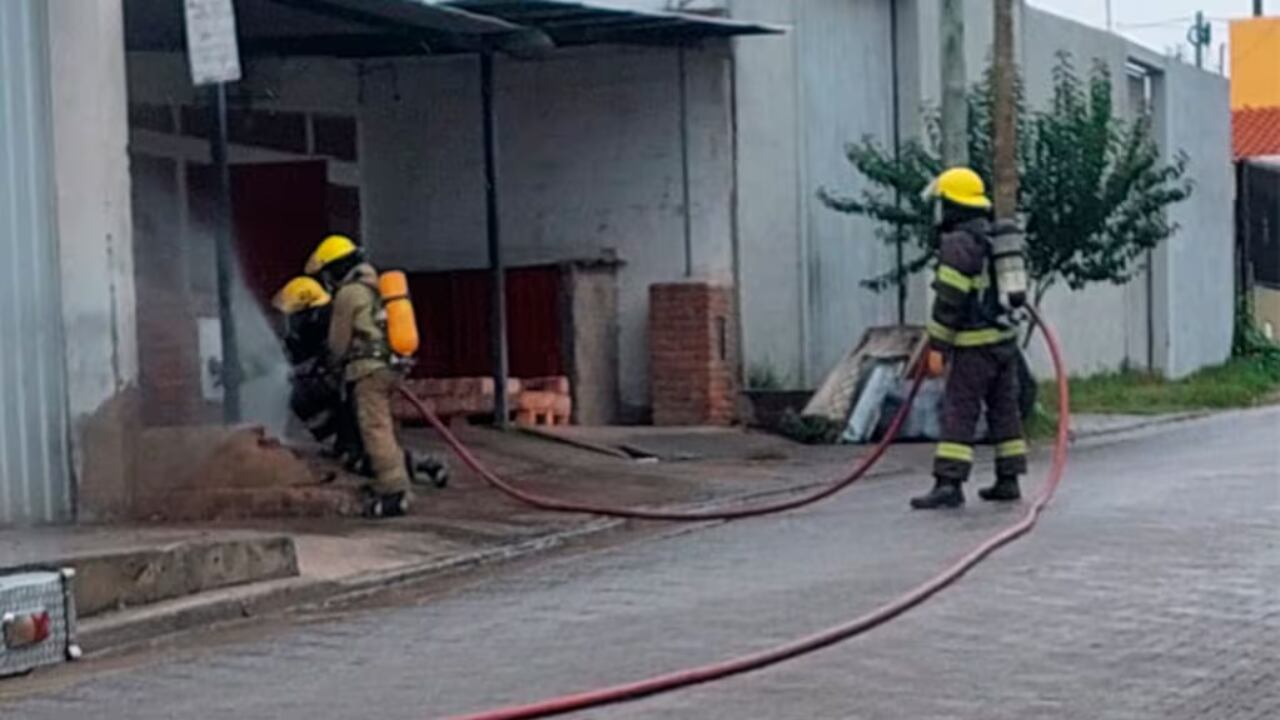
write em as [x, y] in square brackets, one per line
[979, 286]
[358, 346]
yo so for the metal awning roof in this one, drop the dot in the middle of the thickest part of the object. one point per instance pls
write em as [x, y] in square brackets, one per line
[579, 23]
[370, 28]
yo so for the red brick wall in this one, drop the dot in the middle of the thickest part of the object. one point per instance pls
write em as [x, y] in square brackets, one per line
[693, 354]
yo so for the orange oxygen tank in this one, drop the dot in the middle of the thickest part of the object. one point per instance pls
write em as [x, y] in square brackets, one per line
[402, 327]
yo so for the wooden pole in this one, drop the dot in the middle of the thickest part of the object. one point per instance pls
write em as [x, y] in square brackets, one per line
[1005, 121]
[955, 108]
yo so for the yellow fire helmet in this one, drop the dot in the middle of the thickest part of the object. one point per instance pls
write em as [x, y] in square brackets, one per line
[961, 186]
[300, 293]
[331, 249]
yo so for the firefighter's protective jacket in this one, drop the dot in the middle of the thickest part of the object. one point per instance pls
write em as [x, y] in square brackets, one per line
[357, 338]
[966, 308]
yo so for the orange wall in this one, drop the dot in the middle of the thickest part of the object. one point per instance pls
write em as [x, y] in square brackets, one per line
[1255, 63]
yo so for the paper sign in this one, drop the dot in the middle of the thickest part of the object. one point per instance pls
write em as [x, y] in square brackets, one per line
[212, 49]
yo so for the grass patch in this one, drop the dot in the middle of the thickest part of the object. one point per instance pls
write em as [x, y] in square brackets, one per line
[1043, 423]
[1239, 383]
[1250, 378]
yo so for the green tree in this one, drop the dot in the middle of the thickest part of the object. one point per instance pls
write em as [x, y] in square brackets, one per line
[1094, 187]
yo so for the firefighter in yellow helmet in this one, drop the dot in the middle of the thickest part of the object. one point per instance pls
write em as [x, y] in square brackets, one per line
[315, 389]
[357, 344]
[973, 328]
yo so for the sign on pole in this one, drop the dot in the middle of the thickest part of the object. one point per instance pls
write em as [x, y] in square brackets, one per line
[212, 49]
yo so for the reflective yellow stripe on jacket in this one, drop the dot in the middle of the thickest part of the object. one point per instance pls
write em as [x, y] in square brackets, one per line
[952, 277]
[968, 338]
[978, 338]
[948, 275]
[938, 331]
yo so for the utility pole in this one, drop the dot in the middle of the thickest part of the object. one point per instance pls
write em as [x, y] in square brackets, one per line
[1257, 8]
[213, 53]
[1200, 36]
[501, 364]
[224, 254]
[1005, 121]
[955, 108]
[1111, 26]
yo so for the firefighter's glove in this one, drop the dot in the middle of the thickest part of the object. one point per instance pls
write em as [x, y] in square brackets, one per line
[935, 363]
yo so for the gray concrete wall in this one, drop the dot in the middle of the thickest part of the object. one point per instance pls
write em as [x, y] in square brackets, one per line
[797, 105]
[1200, 256]
[95, 244]
[1179, 319]
[1094, 346]
[771, 277]
[801, 98]
[844, 49]
[590, 151]
[591, 295]
[591, 164]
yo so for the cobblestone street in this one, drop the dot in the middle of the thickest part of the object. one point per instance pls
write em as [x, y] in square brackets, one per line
[1150, 590]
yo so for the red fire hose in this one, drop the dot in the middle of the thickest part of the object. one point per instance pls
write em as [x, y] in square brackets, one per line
[830, 636]
[544, 502]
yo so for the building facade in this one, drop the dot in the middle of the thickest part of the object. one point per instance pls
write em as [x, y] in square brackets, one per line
[640, 149]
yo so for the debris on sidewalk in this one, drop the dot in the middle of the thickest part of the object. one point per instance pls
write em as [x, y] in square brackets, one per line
[850, 404]
[37, 619]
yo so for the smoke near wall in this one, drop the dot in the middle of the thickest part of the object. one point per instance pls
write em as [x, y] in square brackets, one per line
[264, 394]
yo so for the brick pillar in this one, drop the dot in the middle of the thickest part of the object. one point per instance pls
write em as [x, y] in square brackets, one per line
[692, 354]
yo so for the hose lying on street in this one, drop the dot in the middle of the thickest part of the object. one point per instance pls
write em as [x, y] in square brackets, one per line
[754, 661]
[544, 502]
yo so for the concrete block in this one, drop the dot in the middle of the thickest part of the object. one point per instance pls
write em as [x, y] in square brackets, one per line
[134, 577]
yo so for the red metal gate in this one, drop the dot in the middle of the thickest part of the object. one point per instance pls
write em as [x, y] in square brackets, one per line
[453, 321]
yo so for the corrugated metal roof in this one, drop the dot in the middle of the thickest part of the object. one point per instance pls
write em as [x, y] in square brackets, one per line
[582, 23]
[366, 28]
[1255, 132]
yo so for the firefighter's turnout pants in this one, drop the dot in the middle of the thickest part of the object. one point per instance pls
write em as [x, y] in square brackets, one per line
[983, 358]
[357, 336]
[984, 375]
[372, 395]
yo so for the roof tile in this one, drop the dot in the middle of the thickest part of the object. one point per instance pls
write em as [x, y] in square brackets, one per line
[1256, 131]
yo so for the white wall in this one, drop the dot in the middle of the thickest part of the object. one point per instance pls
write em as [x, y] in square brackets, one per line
[1092, 346]
[92, 170]
[95, 236]
[771, 279]
[796, 109]
[844, 51]
[802, 97]
[1200, 257]
[590, 154]
[1191, 292]
[590, 162]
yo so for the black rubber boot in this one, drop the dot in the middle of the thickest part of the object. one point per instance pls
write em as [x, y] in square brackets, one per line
[428, 470]
[1005, 490]
[385, 506]
[395, 504]
[945, 494]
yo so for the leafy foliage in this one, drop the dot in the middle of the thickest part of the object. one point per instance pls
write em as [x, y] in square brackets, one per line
[810, 429]
[1094, 187]
[1250, 343]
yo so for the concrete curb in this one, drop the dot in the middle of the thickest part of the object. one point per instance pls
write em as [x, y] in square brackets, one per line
[1153, 421]
[132, 628]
